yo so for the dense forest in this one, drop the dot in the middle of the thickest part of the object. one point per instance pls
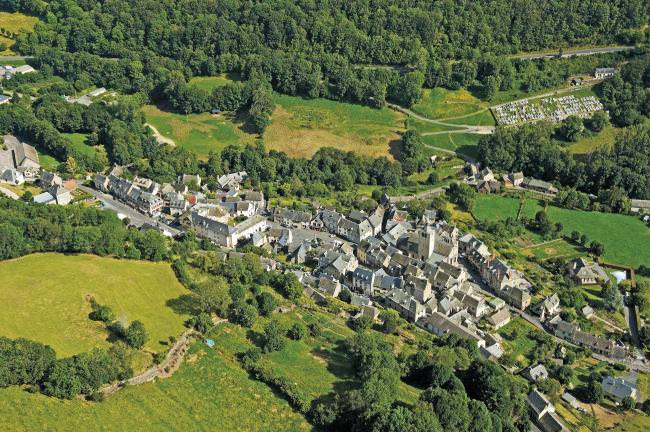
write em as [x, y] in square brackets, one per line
[311, 48]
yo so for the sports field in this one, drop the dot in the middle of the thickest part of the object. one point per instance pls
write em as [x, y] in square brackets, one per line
[626, 238]
[16, 23]
[439, 103]
[301, 126]
[200, 133]
[45, 298]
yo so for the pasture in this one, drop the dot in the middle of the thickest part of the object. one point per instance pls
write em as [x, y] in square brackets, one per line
[209, 389]
[45, 298]
[300, 127]
[440, 103]
[16, 23]
[200, 133]
[625, 237]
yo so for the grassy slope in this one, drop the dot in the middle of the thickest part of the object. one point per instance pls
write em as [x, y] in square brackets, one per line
[464, 143]
[78, 141]
[439, 103]
[200, 133]
[210, 390]
[44, 299]
[15, 23]
[301, 126]
[625, 237]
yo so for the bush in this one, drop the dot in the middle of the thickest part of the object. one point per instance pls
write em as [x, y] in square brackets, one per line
[159, 357]
[201, 322]
[266, 304]
[101, 313]
[315, 329]
[243, 314]
[273, 338]
[96, 397]
[297, 331]
[136, 335]
[628, 403]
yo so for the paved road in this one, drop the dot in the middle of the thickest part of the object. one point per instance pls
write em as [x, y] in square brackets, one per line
[571, 53]
[138, 219]
[462, 128]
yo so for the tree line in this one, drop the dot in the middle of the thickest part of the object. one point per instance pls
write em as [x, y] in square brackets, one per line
[29, 228]
[154, 47]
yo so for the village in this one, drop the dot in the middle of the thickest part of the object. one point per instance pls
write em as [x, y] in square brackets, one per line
[436, 277]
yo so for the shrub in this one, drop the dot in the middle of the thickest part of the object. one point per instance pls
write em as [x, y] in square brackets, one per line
[297, 331]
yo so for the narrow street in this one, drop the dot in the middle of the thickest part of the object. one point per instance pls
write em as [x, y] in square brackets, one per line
[138, 219]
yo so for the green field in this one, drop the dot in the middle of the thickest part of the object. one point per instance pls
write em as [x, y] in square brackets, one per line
[424, 127]
[588, 143]
[625, 237]
[210, 389]
[480, 118]
[439, 103]
[44, 298]
[47, 162]
[211, 82]
[301, 126]
[463, 143]
[200, 133]
[15, 22]
[78, 141]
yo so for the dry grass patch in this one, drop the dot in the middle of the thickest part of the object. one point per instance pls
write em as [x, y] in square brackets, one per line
[301, 126]
[15, 23]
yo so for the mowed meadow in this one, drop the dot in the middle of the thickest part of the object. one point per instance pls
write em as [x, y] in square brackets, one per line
[626, 238]
[45, 297]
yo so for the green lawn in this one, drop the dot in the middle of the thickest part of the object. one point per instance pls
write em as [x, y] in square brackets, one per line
[516, 340]
[47, 162]
[625, 237]
[44, 298]
[591, 142]
[210, 389]
[440, 103]
[78, 141]
[200, 133]
[301, 126]
[463, 143]
[211, 82]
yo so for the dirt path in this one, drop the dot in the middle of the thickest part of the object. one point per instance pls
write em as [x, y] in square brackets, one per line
[164, 370]
[459, 128]
[160, 138]
[8, 193]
